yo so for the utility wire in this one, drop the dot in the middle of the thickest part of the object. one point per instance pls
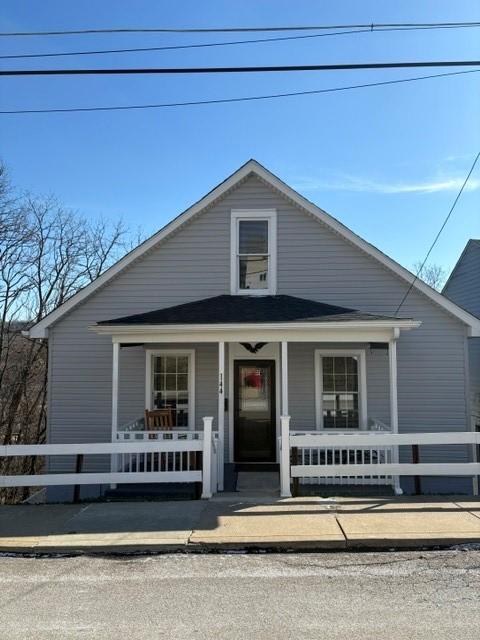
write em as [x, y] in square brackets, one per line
[239, 99]
[218, 44]
[215, 70]
[186, 46]
[439, 233]
[371, 26]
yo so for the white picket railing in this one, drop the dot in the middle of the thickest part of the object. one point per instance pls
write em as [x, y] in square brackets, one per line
[175, 456]
[342, 455]
[175, 462]
[365, 454]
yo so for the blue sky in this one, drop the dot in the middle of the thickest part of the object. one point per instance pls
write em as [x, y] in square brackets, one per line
[386, 161]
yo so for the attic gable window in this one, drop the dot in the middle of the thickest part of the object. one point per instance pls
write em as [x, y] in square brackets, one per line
[253, 252]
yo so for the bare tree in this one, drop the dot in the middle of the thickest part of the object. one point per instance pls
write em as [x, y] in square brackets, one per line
[47, 254]
[433, 274]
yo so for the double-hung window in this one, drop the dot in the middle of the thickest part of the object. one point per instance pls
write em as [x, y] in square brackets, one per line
[253, 242]
[171, 375]
[340, 389]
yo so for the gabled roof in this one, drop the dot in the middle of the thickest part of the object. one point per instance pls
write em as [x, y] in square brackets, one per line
[227, 309]
[472, 243]
[252, 167]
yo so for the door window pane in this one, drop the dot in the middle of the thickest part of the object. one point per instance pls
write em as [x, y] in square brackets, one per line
[254, 389]
[340, 392]
[170, 387]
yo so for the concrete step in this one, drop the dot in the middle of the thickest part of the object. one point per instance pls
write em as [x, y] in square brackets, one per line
[258, 482]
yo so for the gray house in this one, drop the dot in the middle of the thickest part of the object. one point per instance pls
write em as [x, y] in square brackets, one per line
[252, 304]
[463, 287]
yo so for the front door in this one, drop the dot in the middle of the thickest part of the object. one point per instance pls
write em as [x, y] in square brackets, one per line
[254, 400]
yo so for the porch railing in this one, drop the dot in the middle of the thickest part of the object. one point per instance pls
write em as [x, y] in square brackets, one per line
[136, 432]
[169, 457]
[364, 455]
[315, 454]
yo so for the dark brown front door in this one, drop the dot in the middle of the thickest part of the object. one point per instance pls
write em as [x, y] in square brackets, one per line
[254, 400]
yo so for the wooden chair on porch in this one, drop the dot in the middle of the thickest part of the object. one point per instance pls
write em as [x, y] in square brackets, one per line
[159, 420]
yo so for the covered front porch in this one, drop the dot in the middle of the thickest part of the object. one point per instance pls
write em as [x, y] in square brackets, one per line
[247, 366]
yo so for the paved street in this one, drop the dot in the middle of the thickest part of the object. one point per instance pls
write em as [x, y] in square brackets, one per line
[415, 595]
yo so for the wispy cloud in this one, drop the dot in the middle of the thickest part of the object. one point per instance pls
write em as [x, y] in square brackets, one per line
[360, 184]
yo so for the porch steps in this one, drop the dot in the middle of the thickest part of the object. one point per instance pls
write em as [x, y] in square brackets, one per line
[264, 482]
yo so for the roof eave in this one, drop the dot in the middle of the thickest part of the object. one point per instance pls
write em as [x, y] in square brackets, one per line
[112, 329]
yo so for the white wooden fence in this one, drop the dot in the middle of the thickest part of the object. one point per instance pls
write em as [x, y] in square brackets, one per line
[354, 463]
[176, 456]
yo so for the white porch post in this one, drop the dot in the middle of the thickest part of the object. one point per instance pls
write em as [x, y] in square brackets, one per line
[392, 361]
[284, 378]
[207, 458]
[115, 375]
[221, 412]
[285, 491]
[285, 428]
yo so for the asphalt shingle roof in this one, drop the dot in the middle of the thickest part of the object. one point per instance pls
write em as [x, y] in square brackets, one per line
[226, 309]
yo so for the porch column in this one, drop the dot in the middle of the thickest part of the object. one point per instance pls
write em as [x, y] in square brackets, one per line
[284, 375]
[392, 361]
[284, 427]
[115, 374]
[221, 412]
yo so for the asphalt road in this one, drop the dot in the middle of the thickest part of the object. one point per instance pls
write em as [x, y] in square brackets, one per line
[428, 595]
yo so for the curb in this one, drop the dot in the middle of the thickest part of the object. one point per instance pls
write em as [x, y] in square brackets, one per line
[253, 546]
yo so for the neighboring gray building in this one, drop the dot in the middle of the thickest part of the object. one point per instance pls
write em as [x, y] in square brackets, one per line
[463, 287]
[256, 276]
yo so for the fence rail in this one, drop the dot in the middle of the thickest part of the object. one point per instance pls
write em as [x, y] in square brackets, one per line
[370, 456]
[189, 456]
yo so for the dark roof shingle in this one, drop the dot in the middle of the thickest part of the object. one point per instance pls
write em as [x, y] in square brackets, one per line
[226, 309]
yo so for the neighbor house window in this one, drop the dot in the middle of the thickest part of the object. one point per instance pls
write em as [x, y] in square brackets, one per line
[171, 385]
[253, 240]
[341, 401]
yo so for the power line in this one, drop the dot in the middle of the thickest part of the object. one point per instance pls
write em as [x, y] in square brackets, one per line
[218, 44]
[371, 26]
[185, 46]
[259, 69]
[239, 99]
[439, 233]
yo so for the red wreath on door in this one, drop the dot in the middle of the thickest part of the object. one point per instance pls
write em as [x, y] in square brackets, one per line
[254, 380]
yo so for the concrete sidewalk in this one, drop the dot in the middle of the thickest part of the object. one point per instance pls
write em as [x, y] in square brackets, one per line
[231, 522]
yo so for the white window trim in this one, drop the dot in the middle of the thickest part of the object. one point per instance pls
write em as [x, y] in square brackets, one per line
[254, 214]
[149, 355]
[362, 385]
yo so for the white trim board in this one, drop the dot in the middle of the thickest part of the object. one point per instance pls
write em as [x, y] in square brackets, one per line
[252, 167]
[252, 333]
